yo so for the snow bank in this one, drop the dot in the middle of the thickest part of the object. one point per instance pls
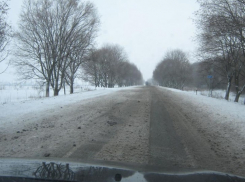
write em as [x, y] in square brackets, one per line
[14, 109]
[17, 92]
[221, 113]
[218, 94]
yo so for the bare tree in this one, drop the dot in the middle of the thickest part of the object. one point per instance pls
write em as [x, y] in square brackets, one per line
[83, 42]
[80, 52]
[174, 70]
[5, 32]
[90, 69]
[133, 76]
[214, 68]
[104, 63]
[109, 66]
[221, 25]
[128, 75]
[113, 56]
[50, 37]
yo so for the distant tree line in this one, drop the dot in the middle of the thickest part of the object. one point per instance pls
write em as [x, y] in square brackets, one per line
[109, 66]
[221, 38]
[221, 28]
[205, 74]
[56, 39]
[174, 70]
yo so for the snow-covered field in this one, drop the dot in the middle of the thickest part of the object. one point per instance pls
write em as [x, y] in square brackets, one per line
[217, 94]
[220, 94]
[17, 92]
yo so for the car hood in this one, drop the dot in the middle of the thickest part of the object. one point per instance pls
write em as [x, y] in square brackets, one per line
[12, 169]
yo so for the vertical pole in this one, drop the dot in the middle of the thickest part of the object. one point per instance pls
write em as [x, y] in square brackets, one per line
[210, 87]
[64, 83]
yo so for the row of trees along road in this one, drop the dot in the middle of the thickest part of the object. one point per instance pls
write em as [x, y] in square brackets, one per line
[5, 32]
[56, 38]
[53, 37]
[221, 34]
[174, 70]
[109, 66]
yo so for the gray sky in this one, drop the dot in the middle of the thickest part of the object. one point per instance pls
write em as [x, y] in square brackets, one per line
[145, 28]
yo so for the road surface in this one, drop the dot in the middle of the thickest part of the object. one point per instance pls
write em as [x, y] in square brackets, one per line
[143, 125]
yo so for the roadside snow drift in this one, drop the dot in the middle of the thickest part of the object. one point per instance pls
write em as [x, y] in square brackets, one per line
[13, 109]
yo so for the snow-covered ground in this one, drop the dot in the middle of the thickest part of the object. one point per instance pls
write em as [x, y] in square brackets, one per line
[21, 100]
[66, 123]
[219, 123]
[220, 120]
[18, 92]
[8, 110]
[233, 111]
[218, 94]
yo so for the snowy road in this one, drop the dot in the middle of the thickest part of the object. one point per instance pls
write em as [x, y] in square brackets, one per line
[142, 125]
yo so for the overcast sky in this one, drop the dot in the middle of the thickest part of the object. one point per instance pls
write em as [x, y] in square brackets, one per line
[146, 29]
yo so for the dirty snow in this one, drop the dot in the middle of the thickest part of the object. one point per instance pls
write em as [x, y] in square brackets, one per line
[84, 125]
[11, 110]
[219, 110]
[17, 92]
[221, 122]
[230, 111]
[37, 127]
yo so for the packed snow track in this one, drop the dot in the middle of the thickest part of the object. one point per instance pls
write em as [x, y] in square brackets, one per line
[141, 125]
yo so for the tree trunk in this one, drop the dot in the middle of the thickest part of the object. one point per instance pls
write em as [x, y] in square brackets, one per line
[237, 97]
[47, 89]
[71, 89]
[228, 88]
[72, 85]
[56, 88]
[237, 88]
[56, 92]
[95, 82]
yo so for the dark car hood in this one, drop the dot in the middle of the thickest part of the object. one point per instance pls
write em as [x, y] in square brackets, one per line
[74, 170]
